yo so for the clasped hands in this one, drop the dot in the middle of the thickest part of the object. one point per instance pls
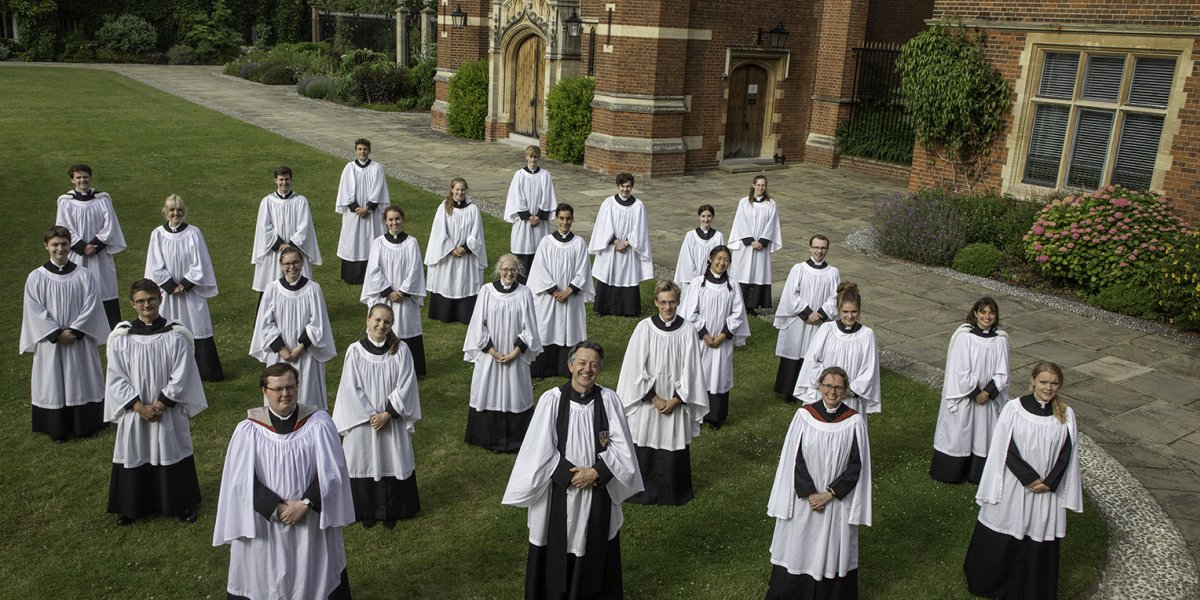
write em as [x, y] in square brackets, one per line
[818, 500]
[714, 341]
[585, 477]
[151, 413]
[292, 511]
[291, 354]
[665, 405]
[504, 358]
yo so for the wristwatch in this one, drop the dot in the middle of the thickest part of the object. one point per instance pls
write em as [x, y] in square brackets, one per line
[306, 502]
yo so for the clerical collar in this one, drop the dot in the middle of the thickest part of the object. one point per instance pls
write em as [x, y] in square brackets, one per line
[84, 196]
[292, 287]
[505, 290]
[395, 239]
[852, 329]
[284, 425]
[362, 164]
[836, 414]
[675, 323]
[711, 277]
[63, 270]
[626, 202]
[369, 345]
[583, 398]
[985, 333]
[290, 417]
[563, 238]
[285, 196]
[1031, 404]
[705, 234]
[759, 199]
[816, 265]
[140, 327]
[181, 227]
[531, 172]
[458, 204]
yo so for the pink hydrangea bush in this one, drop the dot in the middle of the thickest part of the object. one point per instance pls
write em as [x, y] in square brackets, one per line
[1110, 236]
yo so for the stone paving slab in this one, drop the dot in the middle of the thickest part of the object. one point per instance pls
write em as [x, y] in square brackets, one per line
[1146, 420]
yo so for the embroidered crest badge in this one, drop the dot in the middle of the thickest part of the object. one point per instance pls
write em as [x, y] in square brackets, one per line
[603, 439]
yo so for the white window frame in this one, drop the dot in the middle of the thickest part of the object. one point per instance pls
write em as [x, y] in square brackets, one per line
[1025, 106]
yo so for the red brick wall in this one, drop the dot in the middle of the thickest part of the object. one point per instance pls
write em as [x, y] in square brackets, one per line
[894, 22]
[1182, 182]
[1099, 12]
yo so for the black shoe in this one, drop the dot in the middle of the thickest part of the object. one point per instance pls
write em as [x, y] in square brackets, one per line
[187, 515]
[390, 524]
[792, 400]
[368, 523]
[123, 520]
[714, 425]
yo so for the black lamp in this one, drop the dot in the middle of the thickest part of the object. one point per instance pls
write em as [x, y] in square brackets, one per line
[779, 35]
[574, 24]
[459, 18]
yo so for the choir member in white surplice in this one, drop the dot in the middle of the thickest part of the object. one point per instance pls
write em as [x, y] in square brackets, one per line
[530, 203]
[61, 325]
[396, 277]
[576, 467]
[693, 253]
[177, 260]
[95, 236]
[821, 495]
[285, 497]
[561, 282]
[1030, 481]
[293, 326]
[663, 389]
[809, 299]
[376, 407]
[456, 256]
[755, 235]
[973, 391]
[621, 243]
[284, 221]
[362, 193]
[153, 389]
[848, 344]
[712, 304]
[502, 340]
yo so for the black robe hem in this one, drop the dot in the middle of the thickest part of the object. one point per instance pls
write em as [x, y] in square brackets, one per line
[526, 261]
[786, 376]
[207, 360]
[388, 499]
[756, 295]
[552, 362]
[999, 565]
[497, 431]
[354, 271]
[718, 408]
[341, 592]
[616, 300]
[61, 423]
[416, 347]
[112, 310]
[451, 310]
[786, 586]
[955, 469]
[153, 489]
[667, 475]
[537, 576]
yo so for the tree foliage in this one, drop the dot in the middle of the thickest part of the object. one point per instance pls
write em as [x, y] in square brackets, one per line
[958, 100]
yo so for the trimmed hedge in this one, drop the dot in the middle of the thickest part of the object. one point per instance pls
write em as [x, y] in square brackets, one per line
[467, 104]
[569, 117]
[980, 260]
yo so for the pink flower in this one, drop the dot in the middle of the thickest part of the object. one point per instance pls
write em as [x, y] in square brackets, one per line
[1062, 249]
[1074, 236]
[1123, 264]
[1132, 257]
[1042, 258]
[1037, 247]
[1070, 245]
[1120, 202]
[1119, 215]
[1038, 230]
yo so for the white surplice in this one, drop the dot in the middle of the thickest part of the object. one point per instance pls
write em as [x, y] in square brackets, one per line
[175, 256]
[371, 383]
[561, 263]
[502, 319]
[456, 276]
[282, 218]
[395, 266]
[712, 307]
[855, 352]
[755, 220]
[621, 222]
[361, 186]
[669, 364]
[289, 314]
[964, 427]
[693, 255]
[91, 217]
[810, 287]
[56, 300]
[530, 192]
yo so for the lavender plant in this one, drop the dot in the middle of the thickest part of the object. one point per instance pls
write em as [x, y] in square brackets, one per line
[925, 228]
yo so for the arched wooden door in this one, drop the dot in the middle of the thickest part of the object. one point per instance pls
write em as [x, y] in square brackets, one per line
[527, 89]
[745, 114]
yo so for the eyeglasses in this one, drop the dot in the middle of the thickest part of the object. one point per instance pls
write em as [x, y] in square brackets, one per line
[292, 264]
[281, 389]
[833, 388]
[147, 301]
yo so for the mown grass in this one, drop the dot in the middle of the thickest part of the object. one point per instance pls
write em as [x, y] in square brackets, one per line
[145, 145]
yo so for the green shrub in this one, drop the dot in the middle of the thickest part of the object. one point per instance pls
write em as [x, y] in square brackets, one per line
[308, 58]
[980, 260]
[5, 51]
[925, 228]
[127, 34]
[1094, 241]
[78, 48]
[253, 70]
[997, 220]
[376, 83]
[421, 83]
[277, 74]
[362, 56]
[569, 118]
[879, 131]
[181, 54]
[1178, 286]
[467, 105]
[1127, 299]
[319, 87]
[211, 35]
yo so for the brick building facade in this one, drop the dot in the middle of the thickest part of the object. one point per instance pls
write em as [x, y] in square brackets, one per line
[1103, 92]
[681, 85]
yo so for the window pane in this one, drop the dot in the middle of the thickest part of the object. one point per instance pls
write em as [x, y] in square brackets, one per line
[1090, 148]
[1102, 80]
[1058, 75]
[1046, 144]
[1152, 81]
[1140, 137]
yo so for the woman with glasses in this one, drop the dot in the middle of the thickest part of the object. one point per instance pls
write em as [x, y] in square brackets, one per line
[292, 326]
[821, 495]
[502, 340]
[1030, 481]
[848, 344]
[973, 391]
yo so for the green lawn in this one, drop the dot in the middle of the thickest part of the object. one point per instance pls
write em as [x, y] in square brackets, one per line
[144, 145]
